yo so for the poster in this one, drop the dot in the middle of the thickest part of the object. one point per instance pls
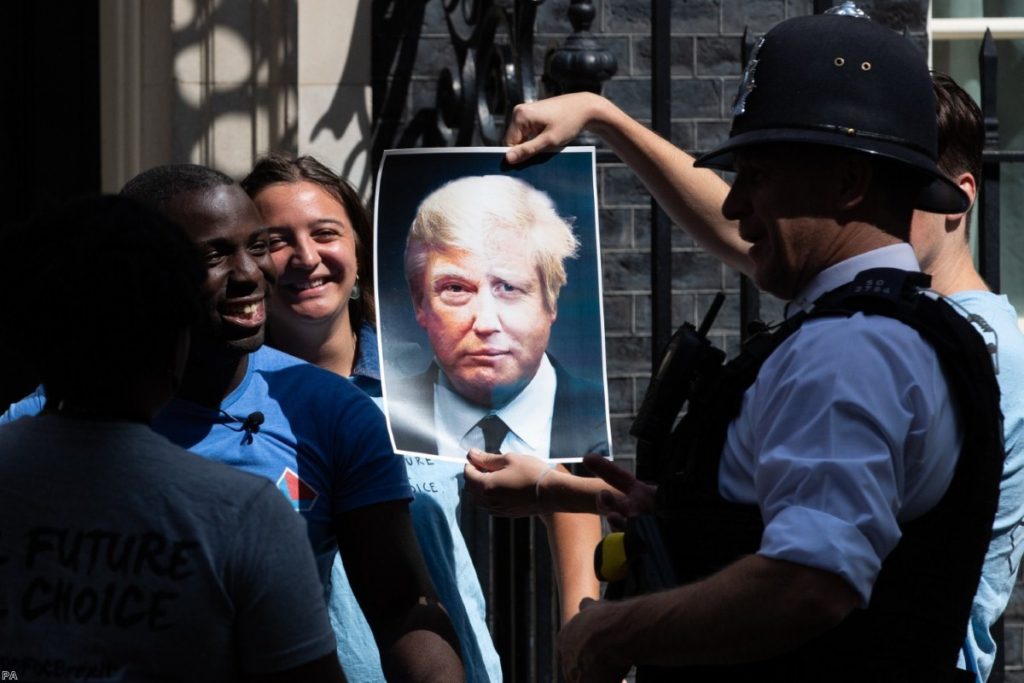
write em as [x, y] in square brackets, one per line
[490, 319]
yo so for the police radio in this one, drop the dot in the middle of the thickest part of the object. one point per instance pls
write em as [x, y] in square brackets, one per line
[636, 561]
[688, 353]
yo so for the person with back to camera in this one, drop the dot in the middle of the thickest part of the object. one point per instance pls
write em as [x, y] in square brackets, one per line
[793, 237]
[123, 556]
[321, 245]
[941, 242]
[319, 439]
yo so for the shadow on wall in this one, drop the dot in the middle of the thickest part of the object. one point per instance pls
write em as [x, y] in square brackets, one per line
[397, 25]
[256, 71]
[345, 110]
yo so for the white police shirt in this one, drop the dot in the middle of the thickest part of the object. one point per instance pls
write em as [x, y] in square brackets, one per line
[847, 430]
[528, 415]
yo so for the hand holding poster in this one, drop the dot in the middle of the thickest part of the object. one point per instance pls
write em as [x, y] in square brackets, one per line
[489, 303]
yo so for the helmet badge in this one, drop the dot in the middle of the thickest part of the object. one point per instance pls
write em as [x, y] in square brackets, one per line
[848, 9]
[739, 105]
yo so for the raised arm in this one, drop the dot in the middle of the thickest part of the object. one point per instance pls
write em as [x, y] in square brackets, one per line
[692, 197]
[389, 579]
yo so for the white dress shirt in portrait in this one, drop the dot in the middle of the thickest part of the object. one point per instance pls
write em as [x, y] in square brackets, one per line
[528, 416]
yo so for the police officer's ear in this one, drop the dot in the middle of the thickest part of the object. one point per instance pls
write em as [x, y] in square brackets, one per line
[969, 185]
[854, 177]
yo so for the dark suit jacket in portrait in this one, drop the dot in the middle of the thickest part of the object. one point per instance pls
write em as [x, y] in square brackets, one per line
[578, 423]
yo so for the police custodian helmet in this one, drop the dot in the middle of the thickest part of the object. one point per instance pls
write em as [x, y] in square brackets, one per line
[840, 79]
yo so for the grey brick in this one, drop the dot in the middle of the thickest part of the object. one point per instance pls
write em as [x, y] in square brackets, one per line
[541, 45]
[693, 98]
[799, 8]
[695, 270]
[434, 18]
[631, 271]
[642, 228]
[730, 278]
[622, 442]
[1013, 639]
[620, 395]
[553, 17]
[626, 271]
[627, 16]
[422, 95]
[618, 313]
[696, 16]
[680, 54]
[730, 86]
[771, 309]
[718, 56]
[433, 55]
[642, 232]
[681, 239]
[759, 15]
[681, 310]
[1015, 610]
[628, 355]
[632, 95]
[616, 227]
[622, 187]
[898, 14]
[711, 134]
[683, 135]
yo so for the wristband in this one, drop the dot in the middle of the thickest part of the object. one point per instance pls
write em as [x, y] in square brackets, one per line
[549, 470]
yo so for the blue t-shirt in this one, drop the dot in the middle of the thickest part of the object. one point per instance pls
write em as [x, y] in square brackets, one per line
[1007, 545]
[322, 442]
[435, 518]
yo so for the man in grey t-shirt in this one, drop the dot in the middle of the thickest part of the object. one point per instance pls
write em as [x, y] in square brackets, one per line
[123, 556]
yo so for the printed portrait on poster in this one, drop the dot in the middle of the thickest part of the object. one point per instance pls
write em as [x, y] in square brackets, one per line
[490, 320]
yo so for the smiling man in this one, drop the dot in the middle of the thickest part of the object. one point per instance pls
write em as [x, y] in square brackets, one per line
[318, 438]
[485, 262]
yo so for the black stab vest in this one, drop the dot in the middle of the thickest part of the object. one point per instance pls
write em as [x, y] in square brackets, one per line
[917, 618]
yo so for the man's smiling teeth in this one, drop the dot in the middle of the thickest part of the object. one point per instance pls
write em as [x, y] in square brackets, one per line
[309, 284]
[247, 311]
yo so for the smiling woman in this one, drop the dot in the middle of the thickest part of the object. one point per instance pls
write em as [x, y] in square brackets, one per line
[319, 238]
[322, 310]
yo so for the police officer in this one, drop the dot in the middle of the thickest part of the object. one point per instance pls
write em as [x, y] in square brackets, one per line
[811, 494]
